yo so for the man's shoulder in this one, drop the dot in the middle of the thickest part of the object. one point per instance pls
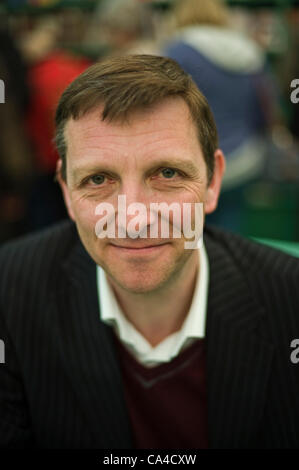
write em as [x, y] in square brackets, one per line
[251, 256]
[254, 274]
[37, 251]
[59, 234]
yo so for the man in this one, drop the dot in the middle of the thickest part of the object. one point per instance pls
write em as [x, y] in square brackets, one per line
[129, 341]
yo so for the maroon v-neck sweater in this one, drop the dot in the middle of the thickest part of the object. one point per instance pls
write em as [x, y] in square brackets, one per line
[167, 404]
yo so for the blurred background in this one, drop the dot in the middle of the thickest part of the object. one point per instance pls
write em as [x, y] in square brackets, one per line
[243, 54]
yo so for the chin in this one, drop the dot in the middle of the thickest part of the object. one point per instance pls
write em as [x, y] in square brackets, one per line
[140, 284]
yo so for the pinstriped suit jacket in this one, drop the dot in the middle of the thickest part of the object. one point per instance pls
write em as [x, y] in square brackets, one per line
[61, 387]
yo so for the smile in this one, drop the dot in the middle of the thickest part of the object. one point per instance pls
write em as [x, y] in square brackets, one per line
[139, 249]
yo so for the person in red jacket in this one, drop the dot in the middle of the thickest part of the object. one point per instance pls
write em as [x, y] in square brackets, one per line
[49, 72]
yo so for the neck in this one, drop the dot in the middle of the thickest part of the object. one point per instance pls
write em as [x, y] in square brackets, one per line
[162, 312]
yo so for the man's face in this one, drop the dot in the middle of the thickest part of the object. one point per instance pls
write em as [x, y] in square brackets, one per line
[155, 157]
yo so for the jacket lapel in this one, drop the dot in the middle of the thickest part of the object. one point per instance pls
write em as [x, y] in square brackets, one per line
[238, 360]
[86, 346]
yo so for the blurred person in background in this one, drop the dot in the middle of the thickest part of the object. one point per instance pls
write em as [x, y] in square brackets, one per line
[231, 71]
[123, 27]
[15, 157]
[50, 70]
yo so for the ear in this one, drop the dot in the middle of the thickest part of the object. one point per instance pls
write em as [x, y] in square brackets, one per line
[214, 187]
[65, 190]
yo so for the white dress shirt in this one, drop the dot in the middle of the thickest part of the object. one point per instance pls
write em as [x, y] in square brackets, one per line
[192, 328]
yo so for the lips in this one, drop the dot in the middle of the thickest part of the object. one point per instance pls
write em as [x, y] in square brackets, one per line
[137, 246]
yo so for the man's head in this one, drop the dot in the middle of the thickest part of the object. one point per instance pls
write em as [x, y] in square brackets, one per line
[130, 83]
[136, 126]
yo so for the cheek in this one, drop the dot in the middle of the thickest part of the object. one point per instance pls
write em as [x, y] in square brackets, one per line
[193, 191]
[192, 215]
[84, 211]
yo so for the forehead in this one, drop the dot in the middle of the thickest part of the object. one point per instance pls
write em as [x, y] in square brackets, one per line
[165, 127]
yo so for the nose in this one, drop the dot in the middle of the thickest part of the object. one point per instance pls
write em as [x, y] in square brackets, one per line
[135, 191]
[133, 210]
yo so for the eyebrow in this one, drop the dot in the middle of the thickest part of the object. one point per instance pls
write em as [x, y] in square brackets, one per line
[184, 165]
[80, 172]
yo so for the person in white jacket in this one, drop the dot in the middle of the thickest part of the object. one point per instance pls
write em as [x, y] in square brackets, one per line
[231, 71]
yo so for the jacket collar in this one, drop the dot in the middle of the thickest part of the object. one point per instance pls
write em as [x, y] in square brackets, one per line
[87, 349]
[238, 359]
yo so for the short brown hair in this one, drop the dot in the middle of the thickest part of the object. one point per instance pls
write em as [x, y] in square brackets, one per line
[127, 83]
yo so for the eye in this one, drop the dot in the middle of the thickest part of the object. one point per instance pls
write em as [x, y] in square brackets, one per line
[97, 179]
[168, 172]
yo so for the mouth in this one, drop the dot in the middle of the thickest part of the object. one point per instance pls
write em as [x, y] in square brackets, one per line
[139, 249]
